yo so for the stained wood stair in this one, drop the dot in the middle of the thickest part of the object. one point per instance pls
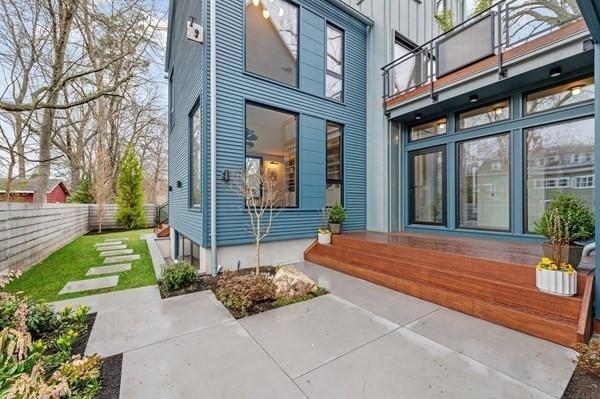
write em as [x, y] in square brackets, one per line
[501, 289]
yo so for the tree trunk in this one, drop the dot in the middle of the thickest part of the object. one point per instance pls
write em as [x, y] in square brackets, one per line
[257, 257]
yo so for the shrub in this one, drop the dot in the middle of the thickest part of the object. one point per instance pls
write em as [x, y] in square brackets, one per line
[177, 276]
[567, 218]
[241, 291]
[337, 214]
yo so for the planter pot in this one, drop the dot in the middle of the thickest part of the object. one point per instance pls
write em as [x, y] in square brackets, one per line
[555, 282]
[336, 228]
[325, 239]
[571, 254]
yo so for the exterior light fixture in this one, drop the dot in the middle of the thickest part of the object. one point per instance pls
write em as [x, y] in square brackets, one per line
[418, 116]
[274, 163]
[555, 72]
[266, 13]
[473, 98]
[576, 90]
[178, 183]
[256, 2]
[498, 110]
[441, 126]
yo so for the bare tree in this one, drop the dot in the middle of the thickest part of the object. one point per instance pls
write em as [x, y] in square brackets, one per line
[261, 198]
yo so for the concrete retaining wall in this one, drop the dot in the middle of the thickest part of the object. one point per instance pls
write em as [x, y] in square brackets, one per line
[31, 232]
[110, 210]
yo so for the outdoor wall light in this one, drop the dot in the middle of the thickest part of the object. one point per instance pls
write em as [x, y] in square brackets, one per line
[178, 183]
[473, 98]
[418, 116]
[226, 176]
[555, 72]
[170, 188]
[576, 90]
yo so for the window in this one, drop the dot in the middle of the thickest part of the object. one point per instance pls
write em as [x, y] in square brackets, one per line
[171, 102]
[484, 185]
[428, 186]
[484, 115]
[272, 40]
[335, 184]
[405, 73]
[334, 80]
[271, 149]
[556, 144]
[196, 156]
[559, 96]
[428, 129]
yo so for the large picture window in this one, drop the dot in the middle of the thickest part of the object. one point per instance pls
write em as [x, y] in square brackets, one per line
[272, 40]
[271, 149]
[334, 82]
[484, 183]
[334, 193]
[559, 158]
[196, 156]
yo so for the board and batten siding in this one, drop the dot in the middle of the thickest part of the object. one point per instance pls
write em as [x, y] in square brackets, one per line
[31, 232]
[187, 65]
[235, 87]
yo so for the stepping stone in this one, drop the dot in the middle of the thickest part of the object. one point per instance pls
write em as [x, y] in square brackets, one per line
[116, 252]
[88, 285]
[111, 247]
[122, 267]
[107, 244]
[119, 259]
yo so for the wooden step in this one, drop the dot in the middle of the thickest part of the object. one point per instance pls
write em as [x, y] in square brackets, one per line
[162, 230]
[498, 291]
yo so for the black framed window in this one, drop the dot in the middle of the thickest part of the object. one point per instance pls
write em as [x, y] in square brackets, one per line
[558, 96]
[195, 118]
[271, 39]
[334, 78]
[484, 183]
[559, 158]
[405, 75]
[428, 129]
[272, 148]
[484, 115]
[427, 174]
[335, 181]
[171, 102]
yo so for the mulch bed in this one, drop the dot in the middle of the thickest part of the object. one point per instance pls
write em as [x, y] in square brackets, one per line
[583, 385]
[203, 283]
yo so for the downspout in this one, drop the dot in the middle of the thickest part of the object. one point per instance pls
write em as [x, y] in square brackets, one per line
[597, 169]
[213, 136]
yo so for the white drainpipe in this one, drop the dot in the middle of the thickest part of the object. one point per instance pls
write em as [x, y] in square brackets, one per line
[213, 136]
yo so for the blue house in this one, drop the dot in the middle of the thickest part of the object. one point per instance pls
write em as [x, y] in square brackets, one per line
[291, 92]
[436, 134]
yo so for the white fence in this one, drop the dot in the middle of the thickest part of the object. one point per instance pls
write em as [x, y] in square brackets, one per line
[31, 232]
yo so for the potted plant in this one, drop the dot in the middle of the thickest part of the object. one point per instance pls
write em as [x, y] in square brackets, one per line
[324, 236]
[566, 222]
[337, 215]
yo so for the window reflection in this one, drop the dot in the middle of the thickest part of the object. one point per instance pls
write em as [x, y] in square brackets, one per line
[560, 96]
[428, 187]
[428, 129]
[484, 115]
[334, 84]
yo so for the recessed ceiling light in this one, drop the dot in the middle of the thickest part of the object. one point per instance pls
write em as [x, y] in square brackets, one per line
[498, 110]
[418, 116]
[473, 98]
[441, 126]
[555, 72]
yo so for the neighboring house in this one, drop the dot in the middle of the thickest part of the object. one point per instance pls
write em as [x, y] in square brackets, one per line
[22, 191]
[477, 130]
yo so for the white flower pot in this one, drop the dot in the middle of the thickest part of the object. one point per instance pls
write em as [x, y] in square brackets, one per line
[556, 282]
[325, 239]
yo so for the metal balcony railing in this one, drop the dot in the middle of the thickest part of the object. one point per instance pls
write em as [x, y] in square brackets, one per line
[504, 25]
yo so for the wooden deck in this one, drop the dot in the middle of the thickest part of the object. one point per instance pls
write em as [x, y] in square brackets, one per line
[490, 279]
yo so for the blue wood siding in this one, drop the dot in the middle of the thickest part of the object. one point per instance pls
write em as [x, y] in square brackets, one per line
[235, 87]
[312, 53]
[312, 162]
[186, 61]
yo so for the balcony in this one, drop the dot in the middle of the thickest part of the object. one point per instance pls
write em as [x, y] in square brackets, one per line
[489, 41]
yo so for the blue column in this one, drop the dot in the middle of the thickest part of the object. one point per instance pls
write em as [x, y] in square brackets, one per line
[597, 168]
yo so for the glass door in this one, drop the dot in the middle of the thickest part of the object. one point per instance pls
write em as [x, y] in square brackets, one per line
[427, 190]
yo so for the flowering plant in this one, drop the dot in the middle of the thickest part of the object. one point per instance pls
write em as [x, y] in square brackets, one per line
[548, 264]
[324, 230]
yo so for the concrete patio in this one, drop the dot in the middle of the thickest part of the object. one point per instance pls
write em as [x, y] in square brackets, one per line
[360, 341]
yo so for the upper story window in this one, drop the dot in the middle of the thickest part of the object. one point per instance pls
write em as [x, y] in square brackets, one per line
[428, 129]
[559, 96]
[196, 156]
[334, 82]
[271, 151]
[485, 115]
[406, 73]
[171, 102]
[272, 40]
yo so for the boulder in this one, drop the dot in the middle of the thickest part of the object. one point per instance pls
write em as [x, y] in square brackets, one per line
[291, 282]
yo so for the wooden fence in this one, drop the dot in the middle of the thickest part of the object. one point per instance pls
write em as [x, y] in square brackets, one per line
[31, 232]
[109, 221]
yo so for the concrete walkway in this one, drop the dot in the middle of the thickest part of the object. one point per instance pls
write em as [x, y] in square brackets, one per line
[360, 341]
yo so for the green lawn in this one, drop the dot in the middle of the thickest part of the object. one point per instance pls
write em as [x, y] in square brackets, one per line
[46, 279]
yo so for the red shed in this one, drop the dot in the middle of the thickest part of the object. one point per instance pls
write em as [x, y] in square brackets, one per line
[22, 191]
